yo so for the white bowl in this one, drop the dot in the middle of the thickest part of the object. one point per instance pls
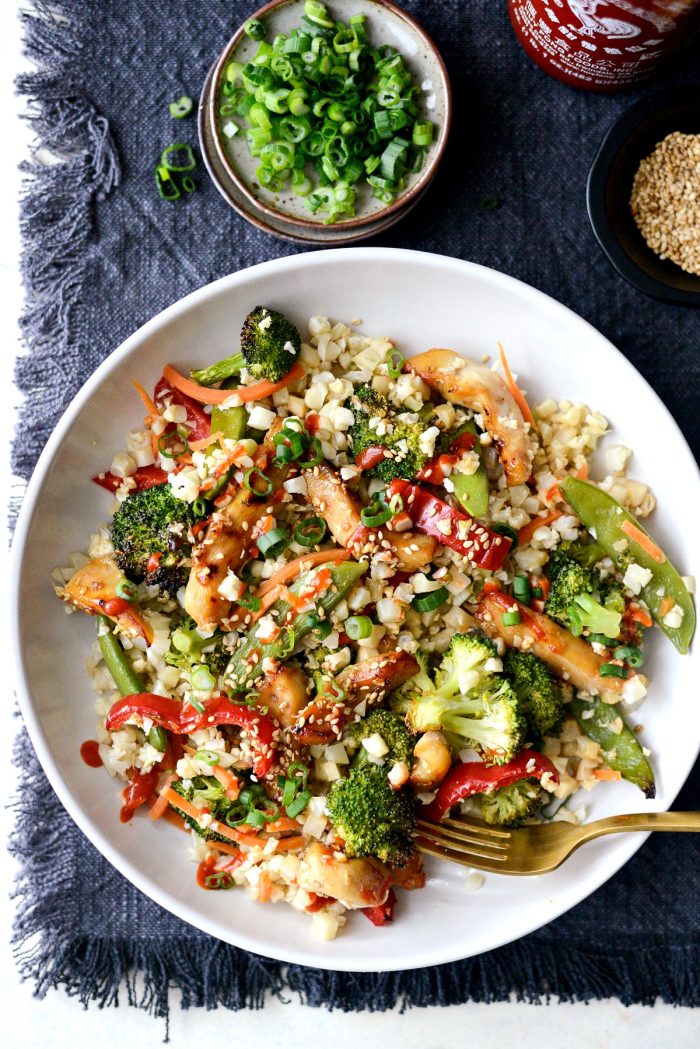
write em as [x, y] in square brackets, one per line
[421, 301]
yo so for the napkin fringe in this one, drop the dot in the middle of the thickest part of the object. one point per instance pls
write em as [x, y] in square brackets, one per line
[74, 162]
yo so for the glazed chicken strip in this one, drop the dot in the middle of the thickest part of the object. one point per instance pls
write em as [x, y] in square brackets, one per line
[571, 658]
[341, 511]
[356, 883]
[226, 543]
[462, 381]
[322, 720]
[284, 694]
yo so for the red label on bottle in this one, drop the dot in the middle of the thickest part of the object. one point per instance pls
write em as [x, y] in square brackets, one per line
[601, 45]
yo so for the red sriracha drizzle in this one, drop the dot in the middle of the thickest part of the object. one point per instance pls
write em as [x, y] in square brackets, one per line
[474, 777]
[142, 786]
[184, 720]
[383, 914]
[481, 546]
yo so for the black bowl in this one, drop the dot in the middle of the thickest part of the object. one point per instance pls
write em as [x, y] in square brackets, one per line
[630, 139]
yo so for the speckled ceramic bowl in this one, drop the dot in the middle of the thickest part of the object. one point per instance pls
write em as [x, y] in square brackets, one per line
[286, 215]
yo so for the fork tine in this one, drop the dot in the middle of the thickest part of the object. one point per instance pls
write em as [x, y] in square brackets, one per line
[466, 848]
[485, 830]
[463, 835]
[464, 859]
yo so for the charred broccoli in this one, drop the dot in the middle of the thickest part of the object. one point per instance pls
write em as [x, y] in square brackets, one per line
[188, 648]
[469, 700]
[371, 817]
[399, 438]
[149, 534]
[572, 598]
[270, 346]
[511, 806]
[212, 793]
[538, 691]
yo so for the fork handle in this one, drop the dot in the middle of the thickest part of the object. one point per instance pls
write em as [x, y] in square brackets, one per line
[669, 821]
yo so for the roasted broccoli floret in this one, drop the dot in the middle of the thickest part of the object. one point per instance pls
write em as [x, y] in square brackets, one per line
[469, 700]
[399, 438]
[572, 599]
[511, 806]
[391, 728]
[370, 817]
[270, 346]
[539, 692]
[149, 534]
[188, 648]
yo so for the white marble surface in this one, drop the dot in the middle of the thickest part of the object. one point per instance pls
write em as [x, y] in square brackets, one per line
[58, 1021]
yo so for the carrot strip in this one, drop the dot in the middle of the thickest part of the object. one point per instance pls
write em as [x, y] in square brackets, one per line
[251, 840]
[606, 774]
[228, 781]
[230, 850]
[517, 395]
[160, 805]
[149, 404]
[637, 615]
[643, 540]
[284, 823]
[527, 531]
[666, 606]
[196, 446]
[294, 568]
[205, 395]
[290, 844]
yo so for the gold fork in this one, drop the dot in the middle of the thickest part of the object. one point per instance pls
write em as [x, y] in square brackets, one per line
[534, 849]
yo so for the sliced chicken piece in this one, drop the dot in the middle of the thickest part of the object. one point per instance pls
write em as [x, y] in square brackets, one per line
[341, 511]
[284, 693]
[323, 721]
[356, 883]
[462, 381]
[93, 589]
[571, 658]
[226, 542]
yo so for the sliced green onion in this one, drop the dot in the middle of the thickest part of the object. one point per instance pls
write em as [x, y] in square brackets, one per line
[188, 184]
[358, 627]
[167, 187]
[207, 757]
[612, 670]
[202, 679]
[521, 589]
[511, 618]
[289, 792]
[317, 457]
[182, 108]
[602, 639]
[430, 601]
[394, 363]
[199, 508]
[230, 129]
[274, 542]
[283, 453]
[126, 590]
[323, 629]
[255, 29]
[575, 621]
[185, 162]
[396, 504]
[375, 515]
[199, 707]
[257, 482]
[255, 819]
[538, 592]
[422, 133]
[302, 769]
[310, 532]
[489, 203]
[158, 738]
[631, 654]
[220, 880]
[299, 804]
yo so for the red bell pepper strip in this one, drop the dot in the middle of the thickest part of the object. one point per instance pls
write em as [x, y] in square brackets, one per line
[370, 457]
[382, 914]
[198, 422]
[481, 546]
[186, 719]
[142, 786]
[474, 777]
[145, 477]
[436, 470]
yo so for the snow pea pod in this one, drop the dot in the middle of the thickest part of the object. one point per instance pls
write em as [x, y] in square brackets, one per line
[231, 422]
[246, 663]
[472, 490]
[622, 750]
[604, 517]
